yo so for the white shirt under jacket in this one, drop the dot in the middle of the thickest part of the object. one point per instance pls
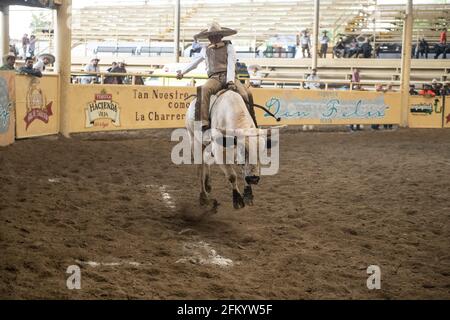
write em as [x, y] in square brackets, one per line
[231, 67]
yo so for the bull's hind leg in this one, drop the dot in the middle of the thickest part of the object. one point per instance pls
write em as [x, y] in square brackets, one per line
[238, 201]
[248, 195]
[208, 187]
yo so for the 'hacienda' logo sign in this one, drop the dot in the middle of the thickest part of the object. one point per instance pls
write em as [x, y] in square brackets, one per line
[102, 111]
[37, 106]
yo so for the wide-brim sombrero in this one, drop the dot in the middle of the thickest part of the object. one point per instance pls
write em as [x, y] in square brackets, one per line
[51, 58]
[214, 30]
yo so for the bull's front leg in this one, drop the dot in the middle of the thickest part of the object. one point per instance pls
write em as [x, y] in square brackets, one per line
[248, 194]
[238, 201]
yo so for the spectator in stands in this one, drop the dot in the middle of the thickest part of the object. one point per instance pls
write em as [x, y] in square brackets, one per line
[196, 47]
[113, 65]
[354, 49]
[13, 49]
[389, 88]
[339, 48]
[412, 90]
[32, 45]
[423, 49]
[9, 62]
[356, 79]
[120, 68]
[443, 37]
[366, 49]
[313, 77]
[445, 91]
[324, 40]
[29, 70]
[305, 42]
[441, 47]
[43, 61]
[108, 79]
[427, 91]
[91, 67]
[378, 88]
[25, 43]
[377, 50]
[255, 73]
[436, 87]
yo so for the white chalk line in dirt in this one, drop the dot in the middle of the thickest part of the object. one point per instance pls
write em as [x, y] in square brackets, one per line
[165, 195]
[202, 253]
[111, 264]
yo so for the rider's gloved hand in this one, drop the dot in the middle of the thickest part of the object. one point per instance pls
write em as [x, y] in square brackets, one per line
[231, 86]
[179, 75]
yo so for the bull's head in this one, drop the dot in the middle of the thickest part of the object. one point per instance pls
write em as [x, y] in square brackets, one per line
[250, 147]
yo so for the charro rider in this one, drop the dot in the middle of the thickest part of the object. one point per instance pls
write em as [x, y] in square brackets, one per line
[220, 59]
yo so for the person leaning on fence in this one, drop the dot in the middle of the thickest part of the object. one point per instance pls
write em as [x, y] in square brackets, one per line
[9, 62]
[91, 67]
[220, 57]
[43, 61]
[196, 47]
[313, 77]
[120, 68]
[29, 70]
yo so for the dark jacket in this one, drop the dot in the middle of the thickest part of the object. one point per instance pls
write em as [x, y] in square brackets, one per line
[30, 71]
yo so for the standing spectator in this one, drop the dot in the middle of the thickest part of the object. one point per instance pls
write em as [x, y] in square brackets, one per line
[313, 77]
[339, 48]
[389, 88]
[441, 47]
[423, 49]
[32, 45]
[356, 79]
[29, 70]
[10, 60]
[91, 67]
[377, 50]
[110, 80]
[25, 43]
[324, 40]
[378, 88]
[13, 49]
[443, 37]
[305, 42]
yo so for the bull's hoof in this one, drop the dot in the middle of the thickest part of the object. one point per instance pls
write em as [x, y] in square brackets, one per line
[248, 196]
[204, 199]
[238, 201]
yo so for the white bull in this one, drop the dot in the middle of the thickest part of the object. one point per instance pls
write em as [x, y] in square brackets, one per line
[229, 115]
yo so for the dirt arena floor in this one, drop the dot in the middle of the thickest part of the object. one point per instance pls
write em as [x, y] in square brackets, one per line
[116, 206]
